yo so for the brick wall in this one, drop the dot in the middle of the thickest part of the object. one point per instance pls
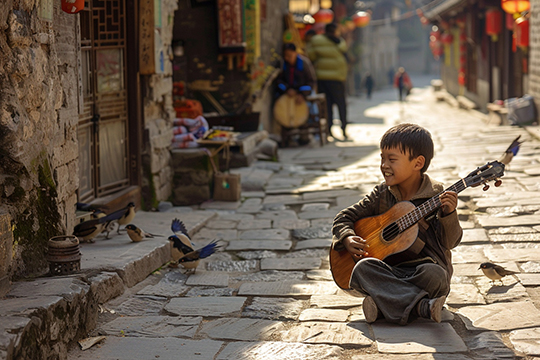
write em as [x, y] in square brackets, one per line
[534, 52]
[38, 127]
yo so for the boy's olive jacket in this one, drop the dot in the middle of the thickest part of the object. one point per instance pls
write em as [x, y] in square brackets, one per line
[443, 234]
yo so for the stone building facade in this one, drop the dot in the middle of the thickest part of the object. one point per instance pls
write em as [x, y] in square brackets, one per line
[38, 126]
[534, 53]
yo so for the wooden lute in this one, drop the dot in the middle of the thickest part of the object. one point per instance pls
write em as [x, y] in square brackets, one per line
[394, 233]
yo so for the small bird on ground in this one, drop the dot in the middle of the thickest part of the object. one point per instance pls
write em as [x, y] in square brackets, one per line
[122, 217]
[181, 242]
[191, 260]
[137, 234]
[495, 272]
[88, 230]
[511, 151]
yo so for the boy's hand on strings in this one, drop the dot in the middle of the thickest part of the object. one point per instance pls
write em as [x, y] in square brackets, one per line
[356, 246]
[449, 200]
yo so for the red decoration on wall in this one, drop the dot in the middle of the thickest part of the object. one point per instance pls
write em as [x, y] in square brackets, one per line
[325, 16]
[447, 38]
[361, 19]
[493, 23]
[72, 6]
[522, 32]
[230, 24]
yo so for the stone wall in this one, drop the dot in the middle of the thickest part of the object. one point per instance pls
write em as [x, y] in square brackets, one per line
[158, 116]
[38, 127]
[534, 52]
[6, 243]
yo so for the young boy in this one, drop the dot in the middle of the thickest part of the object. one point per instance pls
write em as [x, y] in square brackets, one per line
[417, 287]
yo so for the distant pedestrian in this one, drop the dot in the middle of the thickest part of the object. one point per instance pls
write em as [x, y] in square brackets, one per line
[327, 52]
[390, 75]
[403, 83]
[369, 83]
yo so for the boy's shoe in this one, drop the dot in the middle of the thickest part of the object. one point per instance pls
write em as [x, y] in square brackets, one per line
[370, 309]
[431, 308]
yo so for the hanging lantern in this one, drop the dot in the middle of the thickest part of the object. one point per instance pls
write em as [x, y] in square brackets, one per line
[435, 34]
[493, 23]
[361, 19]
[324, 16]
[72, 6]
[461, 76]
[509, 22]
[515, 6]
[447, 38]
[424, 20]
[522, 32]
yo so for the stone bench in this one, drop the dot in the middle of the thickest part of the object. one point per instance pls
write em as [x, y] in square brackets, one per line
[497, 114]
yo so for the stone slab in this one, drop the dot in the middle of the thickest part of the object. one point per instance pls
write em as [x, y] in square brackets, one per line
[268, 234]
[509, 290]
[530, 237]
[288, 288]
[333, 315]
[321, 214]
[282, 199]
[489, 345]
[269, 350]
[204, 291]
[312, 233]
[500, 316]
[467, 269]
[153, 326]
[335, 301]
[313, 243]
[531, 267]
[28, 305]
[253, 194]
[205, 306]
[271, 275]
[237, 245]
[141, 306]
[291, 264]
[208, 278]
[255, 224]
[274, 308]
[233, 266]
[164, 289]
[474, 235]
[322, 223]
[277, 215]
[241, 329]
[464, 294]
[67, 287]
[519, 255]
[168, 348]
[352, 334]
[487, 221]
[529, 279]
[325, 275]
[420, 337]
[211, 234]
[322, 206]
[221, 224]
[424, 356]
[256, 255]
[526, 341]
[290, 224]
[330, 194]
[220, 205]
[236, 217]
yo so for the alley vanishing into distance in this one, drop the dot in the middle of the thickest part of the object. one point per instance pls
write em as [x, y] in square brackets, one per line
[270, 294]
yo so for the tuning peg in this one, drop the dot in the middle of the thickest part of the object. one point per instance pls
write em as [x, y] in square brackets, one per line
[486, 187]
[498, 183]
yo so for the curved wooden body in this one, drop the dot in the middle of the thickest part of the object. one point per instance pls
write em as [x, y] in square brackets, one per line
[371, 229]
[290, 114]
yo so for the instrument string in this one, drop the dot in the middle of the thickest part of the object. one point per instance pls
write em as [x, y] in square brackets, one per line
[412, 217]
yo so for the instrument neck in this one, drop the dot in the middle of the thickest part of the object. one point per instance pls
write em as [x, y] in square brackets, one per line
[427, 207]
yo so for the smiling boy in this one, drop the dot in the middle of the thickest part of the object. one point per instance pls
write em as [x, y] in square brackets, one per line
[417, 287]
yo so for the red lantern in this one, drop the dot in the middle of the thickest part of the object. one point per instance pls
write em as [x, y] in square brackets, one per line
[447, 38]
[435, 34]
[515, 6]
[424, 20]
[493, 23]
[361, 19]
[72, 6]
[324, 16]
[522, 32]
[461, 77]
[510, 22]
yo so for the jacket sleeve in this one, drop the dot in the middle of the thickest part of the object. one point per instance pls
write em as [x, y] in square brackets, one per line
[344, 221]
[282, 84]
[342, 46]
[451, 230]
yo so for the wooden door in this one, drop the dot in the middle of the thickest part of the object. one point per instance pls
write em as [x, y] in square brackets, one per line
[103, 125]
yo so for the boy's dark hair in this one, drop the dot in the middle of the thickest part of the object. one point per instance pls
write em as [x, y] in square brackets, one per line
[289, 46]
[412, 139]
[330, 28]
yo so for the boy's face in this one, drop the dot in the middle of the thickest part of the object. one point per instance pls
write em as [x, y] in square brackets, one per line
[397, 168]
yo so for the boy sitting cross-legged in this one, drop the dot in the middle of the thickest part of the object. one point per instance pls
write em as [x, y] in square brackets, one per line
[416, 287]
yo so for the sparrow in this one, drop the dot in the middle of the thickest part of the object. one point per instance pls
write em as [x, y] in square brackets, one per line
[137, 234]
[495, 272]
[511, 151]
[181, 242]
[122, 217]
[191, 260]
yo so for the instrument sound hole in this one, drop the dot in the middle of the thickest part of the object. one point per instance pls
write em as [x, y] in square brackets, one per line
[390, 232]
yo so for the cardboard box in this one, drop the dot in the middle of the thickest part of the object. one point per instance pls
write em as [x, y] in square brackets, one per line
[227, 187]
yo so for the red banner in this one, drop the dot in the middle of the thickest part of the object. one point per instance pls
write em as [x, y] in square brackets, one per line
[231, 27]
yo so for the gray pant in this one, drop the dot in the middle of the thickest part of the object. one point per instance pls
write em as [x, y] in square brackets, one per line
[395, 289]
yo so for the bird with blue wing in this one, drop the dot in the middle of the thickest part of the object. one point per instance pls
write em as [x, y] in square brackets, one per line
[88, 230]
[512, 151]
[122, 217]
[191, 260]
[180, 241]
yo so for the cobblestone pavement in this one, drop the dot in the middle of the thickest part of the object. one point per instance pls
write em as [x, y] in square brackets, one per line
[270, 294]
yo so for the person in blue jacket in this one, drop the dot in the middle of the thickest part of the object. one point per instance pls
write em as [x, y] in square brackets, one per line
[297, 76]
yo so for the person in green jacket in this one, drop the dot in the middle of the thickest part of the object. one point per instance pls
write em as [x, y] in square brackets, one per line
[327, 53]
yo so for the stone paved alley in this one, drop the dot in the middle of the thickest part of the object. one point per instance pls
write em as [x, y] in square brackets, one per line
[270, 294]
